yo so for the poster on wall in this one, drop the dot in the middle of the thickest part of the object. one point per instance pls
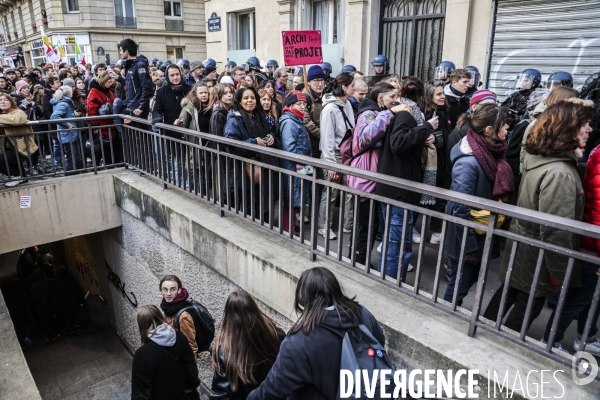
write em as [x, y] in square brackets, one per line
[8, 61]
[302, 47]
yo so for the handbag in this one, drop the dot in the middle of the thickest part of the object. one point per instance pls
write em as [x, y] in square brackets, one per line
[256, 177]
[483, 217]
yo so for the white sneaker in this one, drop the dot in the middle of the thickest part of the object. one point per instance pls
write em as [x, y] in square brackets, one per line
[332, 235]
[410, 268]
[592, 348]
[347, 230]
[416, 236]
[558, 347]
[435, 238]
[379, 247]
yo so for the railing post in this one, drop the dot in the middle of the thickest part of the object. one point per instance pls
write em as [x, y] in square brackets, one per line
[91, 139]
[483, 269]
[218, 186]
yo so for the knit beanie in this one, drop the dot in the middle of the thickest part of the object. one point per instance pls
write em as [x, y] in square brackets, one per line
[227, 79]
[293, 97]
[195, 64]
[482, 95]
[315, 72]
[20, 85]
[68, 82]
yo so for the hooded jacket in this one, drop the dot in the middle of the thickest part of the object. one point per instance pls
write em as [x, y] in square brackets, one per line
[97, 97]
[167, 105]
[400, 155]
[591, 185]
[334, 127]
[64, 108]
[369, 132]
[467, 177]
[455, 136]
[551, 185]
[457, 105]
[308, 366]
[14, 126]
[294, 139]
[164, 367]
[138, 86]
[47, 108]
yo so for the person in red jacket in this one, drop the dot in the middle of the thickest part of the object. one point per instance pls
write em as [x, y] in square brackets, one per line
[100, 101]
[578, 301]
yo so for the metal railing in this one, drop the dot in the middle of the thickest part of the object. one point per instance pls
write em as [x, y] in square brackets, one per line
[208, 167]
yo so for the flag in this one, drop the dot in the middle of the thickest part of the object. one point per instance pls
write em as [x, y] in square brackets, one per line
[52, 54]
[60, 48]
[79, 58]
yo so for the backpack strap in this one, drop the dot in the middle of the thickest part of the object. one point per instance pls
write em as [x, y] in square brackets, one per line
[346, 120]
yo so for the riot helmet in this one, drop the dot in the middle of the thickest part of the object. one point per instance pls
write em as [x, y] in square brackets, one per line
[209, 61]
[299, 71]
[348, 69]
[443, 71]
[528, 79]
[168, 62]
[230, 65]
[253, 63]
[475, 75]
[183, 63]
[379, 63]
[327, 68]
[272, 64]
[560, 78]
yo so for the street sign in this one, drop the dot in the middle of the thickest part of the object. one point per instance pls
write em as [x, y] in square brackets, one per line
[302, 47]
[214, 23]
[70, 39]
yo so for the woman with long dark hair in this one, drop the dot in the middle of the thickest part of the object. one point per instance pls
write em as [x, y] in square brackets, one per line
[246, 348]
[163, 367]
[308, 364]
[246, 123]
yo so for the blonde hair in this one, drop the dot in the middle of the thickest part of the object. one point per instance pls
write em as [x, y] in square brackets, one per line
[271, 111]
[103, 78]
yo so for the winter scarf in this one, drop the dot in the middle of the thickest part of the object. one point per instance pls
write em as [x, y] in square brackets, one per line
[456, 92]
[256, 125]
[429, 163]
[297, 113]
[492, 158]
[177, 304]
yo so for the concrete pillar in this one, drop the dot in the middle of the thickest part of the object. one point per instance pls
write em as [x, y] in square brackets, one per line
[286, 13]
[355, 43]
[456, 31]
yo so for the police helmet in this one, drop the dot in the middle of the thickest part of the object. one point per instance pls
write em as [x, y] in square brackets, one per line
[231, 64]
[272, 63]
[159, 63]
[253, 63]
[381, 59]
[475, 75]
[348, 68]
[298, 71]
[183, 63]
[327, 67]
[528, 79]
[209, 61]
[560, 78]
[154, 60]
[444, 70]
[168, 62]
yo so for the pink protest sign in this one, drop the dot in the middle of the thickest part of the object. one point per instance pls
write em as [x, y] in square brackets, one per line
[302, 47]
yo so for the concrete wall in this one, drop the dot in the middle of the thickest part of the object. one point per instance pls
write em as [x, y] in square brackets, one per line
[60, 208]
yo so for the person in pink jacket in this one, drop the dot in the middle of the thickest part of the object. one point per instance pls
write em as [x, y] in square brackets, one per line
[375, 113]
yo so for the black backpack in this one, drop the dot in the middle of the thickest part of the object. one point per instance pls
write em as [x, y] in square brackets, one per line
[203, 322]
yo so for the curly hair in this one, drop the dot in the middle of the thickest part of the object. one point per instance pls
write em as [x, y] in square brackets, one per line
[555, 132]
[202, 108]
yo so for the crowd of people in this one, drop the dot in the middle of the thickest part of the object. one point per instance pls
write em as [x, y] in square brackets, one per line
[537, 150]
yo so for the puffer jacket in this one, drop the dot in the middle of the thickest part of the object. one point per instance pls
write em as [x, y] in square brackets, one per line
[295, 139]
[591, 186]
[457, 105]
[467, 177]
[369, 131]
[312, 120]
[334, 127]
[14, 121]
[544, 180]
[97, 97]
[64, 108]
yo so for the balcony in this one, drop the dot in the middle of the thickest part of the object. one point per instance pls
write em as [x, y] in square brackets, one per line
[125, 22]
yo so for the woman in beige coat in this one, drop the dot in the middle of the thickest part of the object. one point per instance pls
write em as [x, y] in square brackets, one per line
[20, 145]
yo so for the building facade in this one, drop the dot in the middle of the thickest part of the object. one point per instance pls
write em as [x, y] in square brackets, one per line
[500, 37]
[175, 29]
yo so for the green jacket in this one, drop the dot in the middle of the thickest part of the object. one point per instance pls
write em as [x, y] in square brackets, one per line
[551, 185]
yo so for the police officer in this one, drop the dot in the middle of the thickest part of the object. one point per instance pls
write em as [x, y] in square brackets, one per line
[329, 80]
[154, 62]
[475, 81]
[138, 84]
[228, 67]
[254, 67]
[348, 68]
[380, 64]
[443, 71]
[209, 61]
[560, 78]
[526, 82]
[272, 65]
[184, 65]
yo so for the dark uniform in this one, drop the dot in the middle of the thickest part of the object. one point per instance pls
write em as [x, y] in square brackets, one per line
[139, 88]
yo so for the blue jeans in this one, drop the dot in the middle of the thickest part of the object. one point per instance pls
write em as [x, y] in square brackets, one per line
[57, 149]
[72, 154]
[577, 303]
[469, 276]
[395, 238]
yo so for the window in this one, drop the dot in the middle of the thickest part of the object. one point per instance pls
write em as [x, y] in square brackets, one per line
[173, 9]
[125, 14]
[242, 31]
[327, 17]
[174, 53]
[72, 5]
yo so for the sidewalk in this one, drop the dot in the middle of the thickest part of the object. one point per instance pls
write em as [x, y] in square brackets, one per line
[94, 365]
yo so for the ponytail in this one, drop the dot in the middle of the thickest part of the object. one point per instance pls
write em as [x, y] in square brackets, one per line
[343, 79]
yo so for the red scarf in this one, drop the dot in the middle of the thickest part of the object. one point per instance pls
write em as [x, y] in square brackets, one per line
[297, 113]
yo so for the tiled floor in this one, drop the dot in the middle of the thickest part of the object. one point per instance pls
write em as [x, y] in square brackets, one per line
[94, 365]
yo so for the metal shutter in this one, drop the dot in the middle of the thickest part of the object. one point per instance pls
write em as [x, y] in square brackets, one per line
[549, 35]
